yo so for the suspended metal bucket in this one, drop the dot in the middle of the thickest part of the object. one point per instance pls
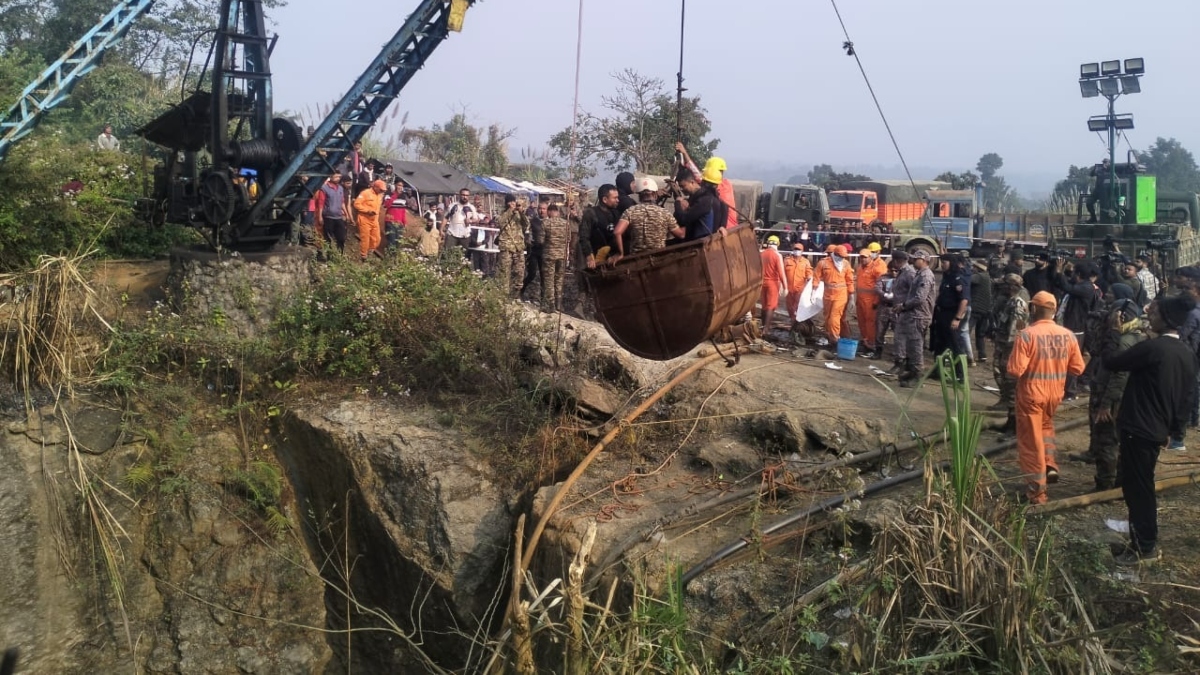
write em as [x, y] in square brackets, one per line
[662, 304]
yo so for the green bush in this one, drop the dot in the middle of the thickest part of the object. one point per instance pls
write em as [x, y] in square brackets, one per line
[41, 213]
[410, 323]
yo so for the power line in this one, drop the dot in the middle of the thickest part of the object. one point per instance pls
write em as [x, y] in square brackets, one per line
[848, 45]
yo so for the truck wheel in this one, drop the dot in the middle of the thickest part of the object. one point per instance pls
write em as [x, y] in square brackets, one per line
[913, 248]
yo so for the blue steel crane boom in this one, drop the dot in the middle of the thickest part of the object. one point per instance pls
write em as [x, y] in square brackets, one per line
[362, 106]
[56, 82]
[215, 137]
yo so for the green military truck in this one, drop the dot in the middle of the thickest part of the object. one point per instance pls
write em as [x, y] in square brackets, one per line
[1141, 219]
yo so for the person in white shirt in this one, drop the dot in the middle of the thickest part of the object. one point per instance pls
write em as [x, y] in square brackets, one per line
[433, 216]
[1144, 275]
[106, 140]
[459, 219]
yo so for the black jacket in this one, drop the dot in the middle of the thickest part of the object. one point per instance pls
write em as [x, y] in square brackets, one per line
[704, 213]
[1162, 374]
[1045, 279]
[596, 229]
[1082, 299]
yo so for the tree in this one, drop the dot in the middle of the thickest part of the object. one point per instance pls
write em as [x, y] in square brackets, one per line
[639, 130]
[959, 181]
[1173, 164]
[997, 195]
[823, 176]
[988, 165]
[462, 145]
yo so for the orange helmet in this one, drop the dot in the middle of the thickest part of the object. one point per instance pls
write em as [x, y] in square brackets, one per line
[839, 250]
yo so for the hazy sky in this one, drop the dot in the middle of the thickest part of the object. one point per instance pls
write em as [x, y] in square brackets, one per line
[956, 80]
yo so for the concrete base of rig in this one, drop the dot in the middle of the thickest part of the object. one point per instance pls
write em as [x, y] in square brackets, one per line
[242, 291]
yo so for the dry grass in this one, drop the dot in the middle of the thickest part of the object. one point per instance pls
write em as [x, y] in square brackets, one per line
[51, 324]
[957, 589]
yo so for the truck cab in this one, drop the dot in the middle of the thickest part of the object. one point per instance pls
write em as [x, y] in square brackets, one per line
[951, 217]
[795, 204]
[853, 207]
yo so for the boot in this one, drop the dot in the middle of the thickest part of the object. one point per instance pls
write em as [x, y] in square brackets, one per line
[911, 377]
[897, 367]
[1010, 425]
[877, 354]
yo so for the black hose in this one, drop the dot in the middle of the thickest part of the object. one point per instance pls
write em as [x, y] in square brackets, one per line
[671, 519]
[834, 502]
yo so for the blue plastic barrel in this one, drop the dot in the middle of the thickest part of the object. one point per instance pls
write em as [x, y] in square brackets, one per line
[847, 349]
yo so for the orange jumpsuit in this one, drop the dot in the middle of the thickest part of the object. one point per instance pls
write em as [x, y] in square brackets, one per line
[1042, 356]
[725, 193]
[866, 299]
[798, 272]
[838, 285]
[368, 205]
[772, 280]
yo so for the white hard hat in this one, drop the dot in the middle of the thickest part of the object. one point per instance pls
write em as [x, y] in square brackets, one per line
[647, 184]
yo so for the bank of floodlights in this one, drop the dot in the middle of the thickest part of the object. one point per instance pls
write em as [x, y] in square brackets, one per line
[1111, 79]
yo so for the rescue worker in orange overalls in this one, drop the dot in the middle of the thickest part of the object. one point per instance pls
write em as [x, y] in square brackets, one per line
[1042, 356]
[367, 205]
[835, 272]
[773, 279]
[866, 301]
[798, 272]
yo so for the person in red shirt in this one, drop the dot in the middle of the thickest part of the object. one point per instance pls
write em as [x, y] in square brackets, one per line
[395, 206]
[1042, 356]
[773, 278]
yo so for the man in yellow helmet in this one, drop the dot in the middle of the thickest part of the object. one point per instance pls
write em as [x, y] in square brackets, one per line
[724, 187]
[870, 268]
[773, 279]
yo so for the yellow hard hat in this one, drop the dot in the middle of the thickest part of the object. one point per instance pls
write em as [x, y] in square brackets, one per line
[772, 240]
[712, 175]
[715, 163]
[874, 247]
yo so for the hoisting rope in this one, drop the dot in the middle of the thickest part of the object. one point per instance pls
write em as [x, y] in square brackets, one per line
[679, 76]
[848, 45]
[574, 180]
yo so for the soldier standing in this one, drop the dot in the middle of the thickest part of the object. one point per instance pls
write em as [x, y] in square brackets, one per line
[905, 274]
[648, 223]
[1123, 329]
[511, 242]
[1010, 315]
[916, 313]
[535, 239]
[885, 314]
[556, 231]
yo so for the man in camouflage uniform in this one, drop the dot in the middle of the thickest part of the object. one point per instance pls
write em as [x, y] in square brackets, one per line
[1124, 328]
[905, 274]
[647, 222]
[1010, 314]
[511, 242]
[912, 323]
[555, 233]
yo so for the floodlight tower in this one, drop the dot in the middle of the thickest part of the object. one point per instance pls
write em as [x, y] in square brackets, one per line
[1106, 79]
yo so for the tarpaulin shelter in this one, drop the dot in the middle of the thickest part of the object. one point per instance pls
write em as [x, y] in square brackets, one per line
[432, 179]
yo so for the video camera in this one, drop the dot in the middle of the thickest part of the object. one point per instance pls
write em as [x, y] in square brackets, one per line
[1162, 244]
[1114, 259]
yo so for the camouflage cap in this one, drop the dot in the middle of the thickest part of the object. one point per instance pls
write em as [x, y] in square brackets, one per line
[1014, 279]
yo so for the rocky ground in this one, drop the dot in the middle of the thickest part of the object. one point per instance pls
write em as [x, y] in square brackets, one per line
[397, 517]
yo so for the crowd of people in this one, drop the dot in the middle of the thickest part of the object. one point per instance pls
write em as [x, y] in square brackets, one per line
[1107, 329]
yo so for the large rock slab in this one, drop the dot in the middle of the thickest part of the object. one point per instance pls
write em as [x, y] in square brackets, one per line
[426, 528]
